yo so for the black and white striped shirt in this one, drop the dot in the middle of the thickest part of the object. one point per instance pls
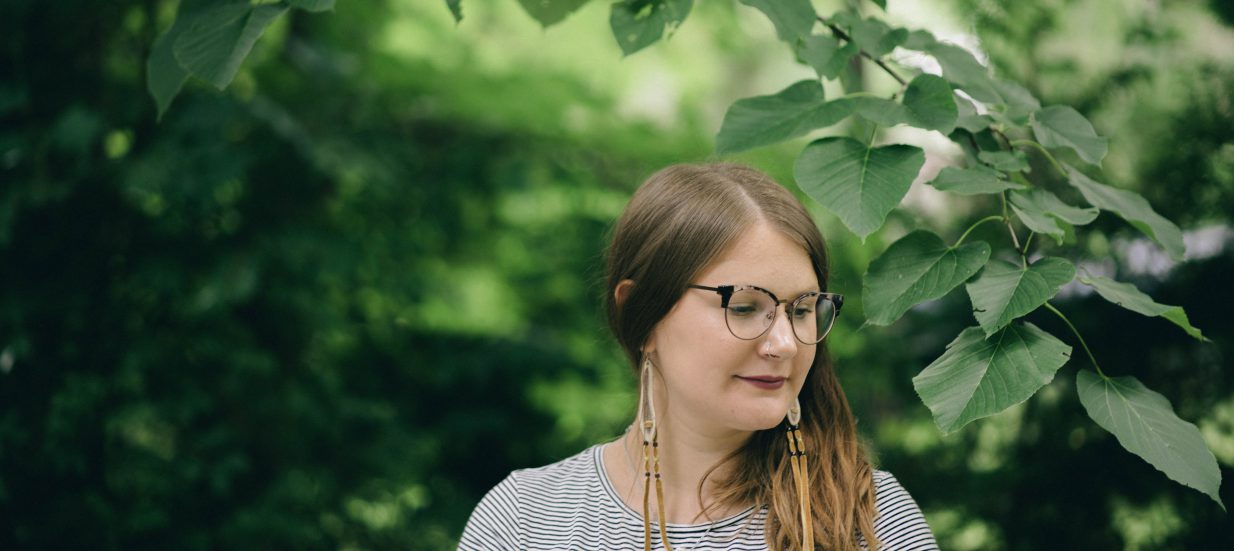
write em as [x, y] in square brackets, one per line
[572, 505]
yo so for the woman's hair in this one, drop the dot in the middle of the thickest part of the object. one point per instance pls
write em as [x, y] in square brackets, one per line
[678, 222]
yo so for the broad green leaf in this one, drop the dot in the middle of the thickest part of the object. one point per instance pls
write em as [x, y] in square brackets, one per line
[1145, 424]
[456, 9]
[874, 36]
[1131, 298]
[550, 12]
[792, 112]
[1040, 210]
[1131, 207]
[1019, 101]
[1003, 291]
[881, 111]
[857, 183]
[1062, 126]
[916, 268]
[977, 376]
[217, 39]
[972, 181]
[327, 5]
[825, 54]
[164, 75]
[793, 19]
[968, 118]
[932, 104]
[962, 69]
[1006, 161]
[637, 24]
[919, 40]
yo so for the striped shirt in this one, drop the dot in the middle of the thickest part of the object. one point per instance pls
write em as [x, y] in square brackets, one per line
[572, 505]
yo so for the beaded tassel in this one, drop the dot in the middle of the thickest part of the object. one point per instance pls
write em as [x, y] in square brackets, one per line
[651, 461]
[801, 476]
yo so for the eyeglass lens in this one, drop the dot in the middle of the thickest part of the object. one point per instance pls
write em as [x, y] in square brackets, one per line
[750, 312]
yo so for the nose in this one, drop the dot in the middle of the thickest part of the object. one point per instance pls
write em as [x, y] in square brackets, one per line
[779, 341]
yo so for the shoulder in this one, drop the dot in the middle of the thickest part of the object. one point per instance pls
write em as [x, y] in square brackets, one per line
[899, 524]
[498, 521]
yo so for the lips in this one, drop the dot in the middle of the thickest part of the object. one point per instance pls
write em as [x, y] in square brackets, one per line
[765, 382]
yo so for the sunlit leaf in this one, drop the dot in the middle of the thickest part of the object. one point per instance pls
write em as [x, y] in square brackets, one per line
[916, 268]
[1133, 208]
[978, 376]
[549, 12]
[793, 19]
[637, 24]
[1131, 298]
[1062, 126]
[857, 183]
[1145, 424]
[1003, 291]
[968, 118]
[792, 112]
[972, 181]
[1041, 210]
[217, 39]
[1020, 103]
[961, 68]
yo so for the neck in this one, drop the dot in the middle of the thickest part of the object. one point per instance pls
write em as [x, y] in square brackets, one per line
[687, 453]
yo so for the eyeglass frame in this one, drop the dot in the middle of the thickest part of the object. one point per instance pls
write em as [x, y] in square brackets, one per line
[726, 294]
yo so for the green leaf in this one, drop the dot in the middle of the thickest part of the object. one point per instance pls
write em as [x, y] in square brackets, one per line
[792, 112]
[216, 40]
[793, 19]
[916, 268]
[1145, 424]
[932, 104]
[961, 68]
[825, 54]
[1039, 210]
[456, 9]
[1006, 161]
[873, 35]
[164, 75]
[977, 377]
[327, 5]
[1062, 126]
[857, 183]
[919, 40]
[972, 181]
[1003, 291]
[881, 111]
[968, 118]
[1019, 101]
[639, 23]
[1131, 298]
[1133, 208]
[549, 12]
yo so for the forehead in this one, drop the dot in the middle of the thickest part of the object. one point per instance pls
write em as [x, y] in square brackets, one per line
[765, 257]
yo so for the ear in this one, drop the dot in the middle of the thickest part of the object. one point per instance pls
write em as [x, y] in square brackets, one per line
[622, 291]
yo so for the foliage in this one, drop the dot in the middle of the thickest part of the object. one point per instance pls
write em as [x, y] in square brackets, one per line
[333, 304]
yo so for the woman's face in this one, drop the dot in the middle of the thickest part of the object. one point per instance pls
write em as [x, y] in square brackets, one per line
[714, 381]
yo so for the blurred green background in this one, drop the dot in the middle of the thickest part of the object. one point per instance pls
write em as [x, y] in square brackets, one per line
[331, 306]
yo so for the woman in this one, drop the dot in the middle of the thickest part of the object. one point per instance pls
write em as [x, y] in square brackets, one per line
[717, 291]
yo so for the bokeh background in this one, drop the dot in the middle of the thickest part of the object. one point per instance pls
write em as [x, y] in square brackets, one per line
[331, 306]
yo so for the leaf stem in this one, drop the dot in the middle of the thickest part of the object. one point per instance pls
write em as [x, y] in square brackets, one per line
[1045, 152]
[1010, 229]
[974, 226]
[844, 36]
[1051, 308]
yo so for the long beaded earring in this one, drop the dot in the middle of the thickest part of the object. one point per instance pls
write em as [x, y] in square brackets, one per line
[651, 459]
[801, 474]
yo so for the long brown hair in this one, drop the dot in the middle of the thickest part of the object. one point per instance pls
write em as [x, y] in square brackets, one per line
[678, 222]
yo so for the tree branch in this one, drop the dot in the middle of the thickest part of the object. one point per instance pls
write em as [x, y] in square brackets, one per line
[844, 36]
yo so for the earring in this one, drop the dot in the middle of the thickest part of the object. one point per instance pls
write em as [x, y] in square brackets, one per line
[651, 459]
[801, 474]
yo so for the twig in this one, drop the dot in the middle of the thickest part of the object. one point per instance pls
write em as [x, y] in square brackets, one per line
[844, 36]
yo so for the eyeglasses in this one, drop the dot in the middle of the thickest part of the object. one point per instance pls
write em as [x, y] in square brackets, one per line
[750, 311]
